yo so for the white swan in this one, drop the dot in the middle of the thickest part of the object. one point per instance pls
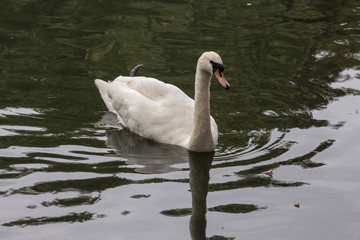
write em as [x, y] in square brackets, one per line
[164, 113]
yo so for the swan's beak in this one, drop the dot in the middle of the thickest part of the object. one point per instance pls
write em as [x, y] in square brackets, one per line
[222, 80]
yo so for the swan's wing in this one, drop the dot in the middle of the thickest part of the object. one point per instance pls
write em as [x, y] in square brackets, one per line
[153, 109]
[103, 89]
[151, 87]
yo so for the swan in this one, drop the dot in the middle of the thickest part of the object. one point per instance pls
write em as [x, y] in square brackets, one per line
[162, 112]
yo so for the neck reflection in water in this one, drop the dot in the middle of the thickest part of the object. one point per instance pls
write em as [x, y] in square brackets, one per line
[200, 164]
[159, 158]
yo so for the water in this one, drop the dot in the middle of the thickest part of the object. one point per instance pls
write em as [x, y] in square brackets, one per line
[67, 168]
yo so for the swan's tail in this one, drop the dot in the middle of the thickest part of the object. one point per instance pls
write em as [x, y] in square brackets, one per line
[135, 69]
[103, 89]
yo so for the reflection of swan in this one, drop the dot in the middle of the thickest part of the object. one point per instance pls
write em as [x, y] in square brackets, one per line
[152, 157]
[200, 164]
[162, 112]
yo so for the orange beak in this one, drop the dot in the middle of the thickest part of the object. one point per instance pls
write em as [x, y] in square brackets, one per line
[222, 80]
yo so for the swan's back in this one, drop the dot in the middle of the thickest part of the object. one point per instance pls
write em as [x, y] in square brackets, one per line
[150, 108]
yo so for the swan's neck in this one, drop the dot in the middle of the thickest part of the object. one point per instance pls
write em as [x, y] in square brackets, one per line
[201, 138]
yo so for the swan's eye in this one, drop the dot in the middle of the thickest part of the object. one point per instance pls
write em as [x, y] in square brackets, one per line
[216, 66]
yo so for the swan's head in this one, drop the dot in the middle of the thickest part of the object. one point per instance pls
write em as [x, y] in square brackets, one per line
[211, 62]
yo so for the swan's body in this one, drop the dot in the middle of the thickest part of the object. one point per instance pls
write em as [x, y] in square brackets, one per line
[164, 113]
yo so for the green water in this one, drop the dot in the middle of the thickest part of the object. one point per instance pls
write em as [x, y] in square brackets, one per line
[293, 107]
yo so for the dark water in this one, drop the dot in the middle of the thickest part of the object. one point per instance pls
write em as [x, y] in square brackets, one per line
[66, 172]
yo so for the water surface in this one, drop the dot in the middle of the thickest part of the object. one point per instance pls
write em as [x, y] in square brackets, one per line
[67, 168]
